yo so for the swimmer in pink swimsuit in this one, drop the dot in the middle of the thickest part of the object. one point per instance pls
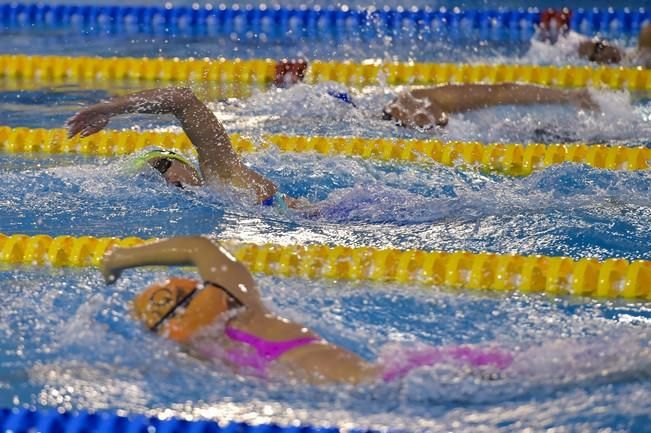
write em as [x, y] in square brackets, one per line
[225, 319]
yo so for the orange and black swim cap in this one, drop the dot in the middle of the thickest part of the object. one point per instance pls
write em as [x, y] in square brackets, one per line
[178, 307]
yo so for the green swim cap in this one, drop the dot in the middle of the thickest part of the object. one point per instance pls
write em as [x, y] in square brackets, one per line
[140, 161]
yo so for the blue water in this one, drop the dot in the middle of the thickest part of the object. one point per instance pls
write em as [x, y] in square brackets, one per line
[69, 341]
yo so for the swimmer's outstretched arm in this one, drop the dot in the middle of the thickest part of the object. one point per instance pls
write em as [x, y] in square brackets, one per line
[217, 158]
[465, 97]
[429, 106]
[213, 262]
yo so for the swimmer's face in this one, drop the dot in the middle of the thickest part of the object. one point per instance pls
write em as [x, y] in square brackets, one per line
[175, 172]
[178, 308]
[600, 52]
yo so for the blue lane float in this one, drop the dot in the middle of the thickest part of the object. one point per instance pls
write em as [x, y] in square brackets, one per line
[313, 22]
[54, 421]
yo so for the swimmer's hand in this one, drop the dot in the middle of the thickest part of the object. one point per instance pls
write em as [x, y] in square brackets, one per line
[88, 121]
[583, 99]
[110, 272]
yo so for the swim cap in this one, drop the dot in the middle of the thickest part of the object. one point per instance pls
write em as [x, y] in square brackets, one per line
[553, 23]
[178, 307]
[289, 72]
[140, 161]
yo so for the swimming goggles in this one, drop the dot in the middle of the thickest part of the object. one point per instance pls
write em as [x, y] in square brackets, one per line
[162, 165]
[184, 301]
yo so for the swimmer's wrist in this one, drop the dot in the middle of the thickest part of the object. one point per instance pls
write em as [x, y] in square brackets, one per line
[111, 107]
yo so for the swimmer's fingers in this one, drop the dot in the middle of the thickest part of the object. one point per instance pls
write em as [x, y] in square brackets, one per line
[94, 127]
[77, 123]
[110, 275]
[74, 126]
[86, 123]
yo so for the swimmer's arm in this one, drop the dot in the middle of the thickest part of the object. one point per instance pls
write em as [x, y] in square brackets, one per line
[212, 261]
[217, 158]
[500, 94]
[465, 97]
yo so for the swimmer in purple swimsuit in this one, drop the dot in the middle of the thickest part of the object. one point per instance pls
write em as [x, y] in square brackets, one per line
[220, 164]
[224, 319]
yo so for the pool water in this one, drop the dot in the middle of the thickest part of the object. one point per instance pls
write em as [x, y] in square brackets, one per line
[69, 341]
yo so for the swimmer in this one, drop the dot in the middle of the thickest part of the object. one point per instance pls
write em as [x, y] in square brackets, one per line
[223, 319]
[603, 52]
[554, 29]
[218, 161]
[220, 164]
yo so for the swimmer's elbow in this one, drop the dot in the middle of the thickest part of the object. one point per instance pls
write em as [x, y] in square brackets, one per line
[182, 97]
[182, 92]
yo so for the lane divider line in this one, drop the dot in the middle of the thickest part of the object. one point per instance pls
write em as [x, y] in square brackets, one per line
[355, 74]
[512, 159]
[557, 276]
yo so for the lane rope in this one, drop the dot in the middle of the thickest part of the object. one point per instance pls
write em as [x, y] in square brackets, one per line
[57, 421]
[263, 71]
[275, 22]
[611, 278]
[512, 159]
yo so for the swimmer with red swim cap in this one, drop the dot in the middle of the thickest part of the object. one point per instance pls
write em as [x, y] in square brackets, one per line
[554, 28]
[222, 318]
[219, 163]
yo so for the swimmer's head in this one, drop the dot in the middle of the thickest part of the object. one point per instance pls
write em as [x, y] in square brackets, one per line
[178, 307]
[175, 168]
[403, 112]
[600, 51]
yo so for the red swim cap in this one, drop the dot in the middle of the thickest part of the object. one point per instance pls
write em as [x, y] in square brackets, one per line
[554, 22]
[290, 72]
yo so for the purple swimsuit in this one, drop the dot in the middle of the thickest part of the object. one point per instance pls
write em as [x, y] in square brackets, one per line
[265, 352]
[405, 362]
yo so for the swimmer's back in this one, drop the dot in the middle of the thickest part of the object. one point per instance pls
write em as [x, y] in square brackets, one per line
[327, 362]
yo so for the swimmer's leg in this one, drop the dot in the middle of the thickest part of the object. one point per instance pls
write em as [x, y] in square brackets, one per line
[487, 361]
